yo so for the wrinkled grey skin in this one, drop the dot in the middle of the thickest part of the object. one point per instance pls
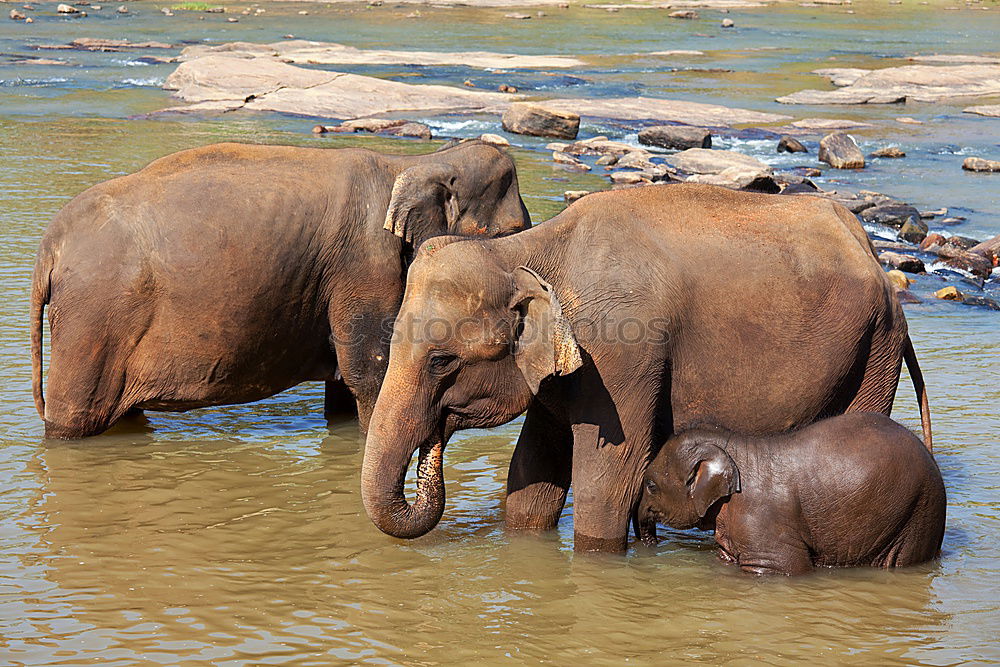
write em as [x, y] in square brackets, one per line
[853, 490]
[756, 312]
[228, 273]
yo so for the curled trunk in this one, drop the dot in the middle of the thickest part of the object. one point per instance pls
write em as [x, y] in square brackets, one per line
[382, 477]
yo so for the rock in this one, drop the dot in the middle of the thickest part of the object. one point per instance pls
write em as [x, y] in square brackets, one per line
[628, 178]
[569, 161]
[504, 88]
[683, 14]
[571, 196]
[829, 124]
[122, 9]
[906, 120]
[973, 262]
[67, 9]
[919, 83]
[635, 160]
[535, 120]
[981, 301]
[955, 220]
[839, 150]
[675, 137]
[468, 84]
[416, 130]
[303, 52]
[931, 242]
[601, 146]
[914, 230]
[979, 164]
[709, 161]
[520, 17]
[606, 160]
[16, 15]
[949, 293]
[891, 215]
[258, 84]
[906, 296]
[557, 146]
[956, 58]
[672, 111]
[728, 23]
[889, 152]
[898, 260]
[94, 44]
[991, 110]
[493, 139]
[232, 19]
[963, 242]
[927, 215]
[899, 279]
[789, 144]
[894, 246]
[989, 248]
[740, 178]
[371, 124]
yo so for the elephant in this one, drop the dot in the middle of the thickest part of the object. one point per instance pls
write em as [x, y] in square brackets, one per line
[631, 315]
[228, 273]
[853, 490]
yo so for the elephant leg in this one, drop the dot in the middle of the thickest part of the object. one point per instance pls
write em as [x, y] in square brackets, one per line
[338, 401]
[540, 472]
[610, 455]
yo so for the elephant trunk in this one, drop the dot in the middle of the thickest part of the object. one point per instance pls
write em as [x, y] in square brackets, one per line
[644, 523]
[383, 474]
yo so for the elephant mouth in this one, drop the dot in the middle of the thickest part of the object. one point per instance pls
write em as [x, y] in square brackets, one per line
[644, 523]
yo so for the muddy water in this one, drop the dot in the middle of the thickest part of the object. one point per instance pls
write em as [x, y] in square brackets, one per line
[237, 535]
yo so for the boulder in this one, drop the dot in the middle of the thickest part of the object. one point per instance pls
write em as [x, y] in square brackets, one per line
[493, 139]
[538, 121]
[840, 151]
[979, 164]
[67, 9]
[973, 262]
[675, 137]
[371, 124]
[906, 296]
[665, 111]
[989, 248]
[889, 152]
[600, 146]
[606, 160]
[913, 231]
[891, 215]
[710, 161]
[829, 124]
[629, 178]
[986, 302]
[728, 23]
[411, 129]
[949, 293]
[635, 160]
[740, 178]
[962, 242]
[16, 15]
[898, 279]
[571, 196]
[789, 144]
[683, 14]
[932, 242]
[898, 260]
[894, 246]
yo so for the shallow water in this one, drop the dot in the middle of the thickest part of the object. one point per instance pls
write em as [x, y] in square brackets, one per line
[237, 534]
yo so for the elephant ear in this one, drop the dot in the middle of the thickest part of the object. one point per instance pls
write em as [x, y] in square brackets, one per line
[713, 474]
[423, 203]
[544, 341]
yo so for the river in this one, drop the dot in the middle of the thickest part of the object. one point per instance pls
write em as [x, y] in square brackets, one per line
[236, 535]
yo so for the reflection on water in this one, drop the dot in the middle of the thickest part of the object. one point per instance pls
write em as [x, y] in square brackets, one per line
[237, 534]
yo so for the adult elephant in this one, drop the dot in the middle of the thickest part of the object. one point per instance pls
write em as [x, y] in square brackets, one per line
[227, 273]
[629, 316]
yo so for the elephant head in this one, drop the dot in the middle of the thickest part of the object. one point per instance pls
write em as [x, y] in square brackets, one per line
[472, 343]
[689, 475]
[468, 190]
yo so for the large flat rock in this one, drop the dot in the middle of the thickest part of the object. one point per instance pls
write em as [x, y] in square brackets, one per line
[304, 52]
[710, 161]
[920, 83]
[992, 110]
[675, 111]
[268, 85]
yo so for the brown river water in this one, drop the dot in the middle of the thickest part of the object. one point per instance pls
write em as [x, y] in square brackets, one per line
[236, 535]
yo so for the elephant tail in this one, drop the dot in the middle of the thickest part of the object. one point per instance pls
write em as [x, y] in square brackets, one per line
[41, 288]
[913, 368]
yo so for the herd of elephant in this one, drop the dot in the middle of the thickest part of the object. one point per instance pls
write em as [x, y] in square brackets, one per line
[681, 353]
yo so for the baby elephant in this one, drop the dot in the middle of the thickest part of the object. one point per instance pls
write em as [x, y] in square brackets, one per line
[858, 489]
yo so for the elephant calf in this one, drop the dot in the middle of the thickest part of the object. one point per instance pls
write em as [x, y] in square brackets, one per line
[228, 273]
[853, 490]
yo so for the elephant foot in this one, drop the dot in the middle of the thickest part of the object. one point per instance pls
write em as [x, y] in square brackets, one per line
[586, 543]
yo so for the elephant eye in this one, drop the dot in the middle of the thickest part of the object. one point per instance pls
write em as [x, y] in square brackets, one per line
[651, 486]
[441, 362]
